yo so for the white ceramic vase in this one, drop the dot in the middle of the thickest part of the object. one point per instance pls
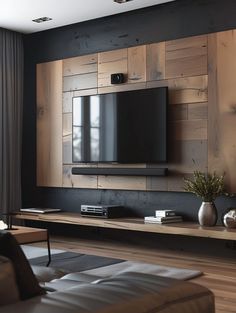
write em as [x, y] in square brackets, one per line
[207, 214]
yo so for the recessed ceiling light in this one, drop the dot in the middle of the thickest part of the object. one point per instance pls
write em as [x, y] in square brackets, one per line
[121, 1]
[42, 19]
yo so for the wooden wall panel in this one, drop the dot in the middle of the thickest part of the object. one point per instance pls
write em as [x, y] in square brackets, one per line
[67, 101]
[78, 181]
[137, 64]
[156, 61]
[202, 119]
[122, 87]
[82, 81]
[67, 138]
[190, 130]
[111, 62]
[49, 124]
[222, 105]
[186, 57]
[121, 182]
[80, 65]
[188, 90]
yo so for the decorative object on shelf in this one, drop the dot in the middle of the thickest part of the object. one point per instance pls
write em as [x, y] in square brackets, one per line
[208, 187]
[229, 219]
[8, 220]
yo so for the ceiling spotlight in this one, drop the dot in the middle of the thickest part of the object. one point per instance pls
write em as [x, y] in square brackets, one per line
[121, 1]
[42, 19]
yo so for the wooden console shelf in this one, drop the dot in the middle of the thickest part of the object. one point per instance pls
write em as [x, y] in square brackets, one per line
[134, 224]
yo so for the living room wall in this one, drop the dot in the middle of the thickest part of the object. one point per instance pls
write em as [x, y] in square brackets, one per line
[160, 23]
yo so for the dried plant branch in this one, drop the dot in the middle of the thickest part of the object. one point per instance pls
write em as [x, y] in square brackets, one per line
[206, 186]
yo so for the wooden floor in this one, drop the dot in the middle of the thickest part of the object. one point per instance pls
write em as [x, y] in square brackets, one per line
[219, 273]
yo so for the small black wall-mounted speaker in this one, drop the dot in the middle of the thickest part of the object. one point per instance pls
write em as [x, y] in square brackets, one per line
[117, 78]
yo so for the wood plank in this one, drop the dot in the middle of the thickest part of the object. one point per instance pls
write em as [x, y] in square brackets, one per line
[176, 181]
[80, 65]
[184, 90]
[122, 182]
[85, 92]
[67, 149]
[186, 57]
[67, 124]
[222, 108]
[188, 90]
[157, 183]
[67, 138]
[111, 62]
[187, 156]
[137, 64]
[198, 111]
[135, 224]
[189, 130]
[78, 181]
[28, 234]
[82, 81]
[67, 101]
[122, 87]
[178, 112]
[49, 124]
[156, 61]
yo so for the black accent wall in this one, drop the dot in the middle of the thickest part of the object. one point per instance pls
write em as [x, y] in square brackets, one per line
[181, 18]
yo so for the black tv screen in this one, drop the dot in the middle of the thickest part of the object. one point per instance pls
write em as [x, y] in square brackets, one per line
[122, 127]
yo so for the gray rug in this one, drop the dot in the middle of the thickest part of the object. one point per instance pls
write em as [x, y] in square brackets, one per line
[75, 262]
[102, 266]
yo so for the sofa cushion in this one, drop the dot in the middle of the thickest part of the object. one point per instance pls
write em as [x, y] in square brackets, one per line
[46, 274]
[124, 293]
[27, 283]
[9, 292]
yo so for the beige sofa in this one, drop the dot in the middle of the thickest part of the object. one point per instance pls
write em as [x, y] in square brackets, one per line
[128, 292]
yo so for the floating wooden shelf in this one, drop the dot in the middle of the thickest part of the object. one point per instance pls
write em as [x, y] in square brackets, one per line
[134, 224]
[119, 171]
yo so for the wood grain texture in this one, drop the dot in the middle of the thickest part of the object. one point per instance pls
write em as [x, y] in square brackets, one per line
[188, 90]
[80, 65]
[67, 149]
[135, 224]
[122, 182]
[111, 62]
[198, 110]
[222, 105]
[49, 124]
[29, 235]
[122, 87]
[187, 156]
[186, 57]
[137, 64]
[178, 112]
[156, 61]
[190, 130]
[78, 181]
[81, 81]
[85, 92]
[67, 101]
[67, 138]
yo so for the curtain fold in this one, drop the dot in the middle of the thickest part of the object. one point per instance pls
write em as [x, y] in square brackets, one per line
[11, 107]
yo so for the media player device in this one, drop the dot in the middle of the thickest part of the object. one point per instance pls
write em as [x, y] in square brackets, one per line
[102, 211]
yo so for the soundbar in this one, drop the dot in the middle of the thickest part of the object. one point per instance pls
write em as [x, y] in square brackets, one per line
[119, 171]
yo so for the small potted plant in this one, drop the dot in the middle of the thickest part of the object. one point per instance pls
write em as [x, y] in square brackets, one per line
[208, 187]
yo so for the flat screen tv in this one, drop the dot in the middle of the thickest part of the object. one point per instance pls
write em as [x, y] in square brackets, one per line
[122, 127]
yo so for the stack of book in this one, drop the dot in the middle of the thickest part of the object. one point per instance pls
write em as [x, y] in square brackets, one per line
[163, 217]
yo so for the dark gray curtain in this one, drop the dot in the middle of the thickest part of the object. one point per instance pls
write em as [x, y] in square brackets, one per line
[11, 107]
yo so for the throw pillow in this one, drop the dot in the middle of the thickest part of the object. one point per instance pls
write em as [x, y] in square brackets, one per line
[27, 283]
